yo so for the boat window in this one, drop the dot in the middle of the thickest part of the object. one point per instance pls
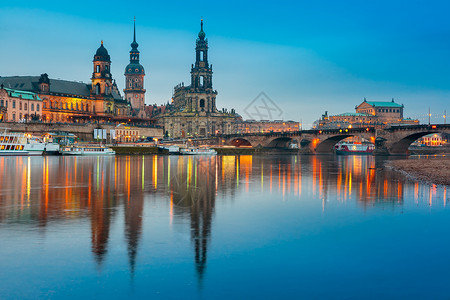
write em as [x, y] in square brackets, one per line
[2, 147]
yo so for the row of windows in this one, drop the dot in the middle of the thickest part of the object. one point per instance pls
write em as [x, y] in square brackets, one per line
[64, 105]
[388, 110]
[25, 105]
[20, 116]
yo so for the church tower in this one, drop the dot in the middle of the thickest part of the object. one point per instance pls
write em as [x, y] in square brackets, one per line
[201, 76]
[134, 80]
[102, 83]
[101, 77]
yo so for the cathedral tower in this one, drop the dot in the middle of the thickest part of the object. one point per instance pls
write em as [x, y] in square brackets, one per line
[134, 80]
[201, 76]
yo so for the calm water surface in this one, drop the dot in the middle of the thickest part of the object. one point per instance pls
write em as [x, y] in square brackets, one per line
[225, 227]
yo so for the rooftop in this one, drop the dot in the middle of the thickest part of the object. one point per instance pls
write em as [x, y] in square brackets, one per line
[383, 104]
[23, 94]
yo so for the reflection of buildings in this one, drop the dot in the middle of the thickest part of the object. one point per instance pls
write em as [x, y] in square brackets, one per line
[194, 193]
[46, 191]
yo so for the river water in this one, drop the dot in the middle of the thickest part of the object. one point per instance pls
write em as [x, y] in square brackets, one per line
[225, 227]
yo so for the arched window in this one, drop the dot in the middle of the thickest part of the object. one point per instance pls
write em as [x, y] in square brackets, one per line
[202, 103]
[32, 107]
[97, 89]
[97, 68]
[106, 90]
[202, 81]
[202, 55]
[37, 107]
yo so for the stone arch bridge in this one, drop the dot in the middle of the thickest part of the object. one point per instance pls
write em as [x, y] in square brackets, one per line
[393, 140]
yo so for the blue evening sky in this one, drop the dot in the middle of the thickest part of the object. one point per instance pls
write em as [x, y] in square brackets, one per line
[307, 56]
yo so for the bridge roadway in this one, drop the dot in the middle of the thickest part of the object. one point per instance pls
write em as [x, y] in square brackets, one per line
[393, 140]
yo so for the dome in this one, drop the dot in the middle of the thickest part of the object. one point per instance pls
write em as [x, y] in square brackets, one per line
[102, 54]
[134, 69]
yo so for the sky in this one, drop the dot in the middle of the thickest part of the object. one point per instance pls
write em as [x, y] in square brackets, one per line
[308, 57]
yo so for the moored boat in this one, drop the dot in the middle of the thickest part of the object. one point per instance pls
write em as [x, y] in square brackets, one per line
[348, 148]
[86, 150]
[15, 143]
[197, 151]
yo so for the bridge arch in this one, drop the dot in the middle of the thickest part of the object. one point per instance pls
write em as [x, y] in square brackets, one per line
[401, 146]
[238, 142]
[327, 145]
[281, 142]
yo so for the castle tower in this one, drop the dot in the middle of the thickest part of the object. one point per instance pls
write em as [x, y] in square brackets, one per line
[134, 80]
[101, 77]
[201, 76]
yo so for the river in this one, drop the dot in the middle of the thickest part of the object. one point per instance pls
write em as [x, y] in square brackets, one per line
[225, 227]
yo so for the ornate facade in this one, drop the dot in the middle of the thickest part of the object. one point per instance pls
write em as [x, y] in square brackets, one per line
[134, 81]
[70, 101]
[193, 111]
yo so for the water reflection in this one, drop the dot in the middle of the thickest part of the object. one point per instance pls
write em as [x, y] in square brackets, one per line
[44, 191]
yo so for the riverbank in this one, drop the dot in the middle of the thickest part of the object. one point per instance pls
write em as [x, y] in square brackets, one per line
[434, 170]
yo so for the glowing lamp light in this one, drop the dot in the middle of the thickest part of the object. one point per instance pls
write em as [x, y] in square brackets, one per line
[340, 130]
[434, 126]
[350, 126]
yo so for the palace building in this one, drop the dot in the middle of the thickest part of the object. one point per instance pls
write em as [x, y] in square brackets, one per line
[70, 101]
[193, 111]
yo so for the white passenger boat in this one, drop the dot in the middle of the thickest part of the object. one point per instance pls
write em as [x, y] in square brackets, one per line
[86, 150]
[15, 143]
[347, 148]
[198, 151]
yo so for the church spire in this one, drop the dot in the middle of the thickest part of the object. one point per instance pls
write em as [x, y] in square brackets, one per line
[201, 34]
[134, 44]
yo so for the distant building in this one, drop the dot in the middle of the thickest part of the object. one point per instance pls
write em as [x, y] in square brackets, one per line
[127, 134]
[16, 105]
[264, 126]
[432, 140]
[193, 111]
[368, 113]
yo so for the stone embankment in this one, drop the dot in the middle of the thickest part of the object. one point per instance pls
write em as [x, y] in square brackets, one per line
[435, 170]
[85, 132]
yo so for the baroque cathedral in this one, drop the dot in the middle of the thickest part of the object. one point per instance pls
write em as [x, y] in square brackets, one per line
[193, 110]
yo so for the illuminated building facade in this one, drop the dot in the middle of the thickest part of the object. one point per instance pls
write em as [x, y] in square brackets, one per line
[70, 101]
[18, 105]
[193, 111]
[127, 134]
[368, 113]
[252, 126]
[432, 140]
